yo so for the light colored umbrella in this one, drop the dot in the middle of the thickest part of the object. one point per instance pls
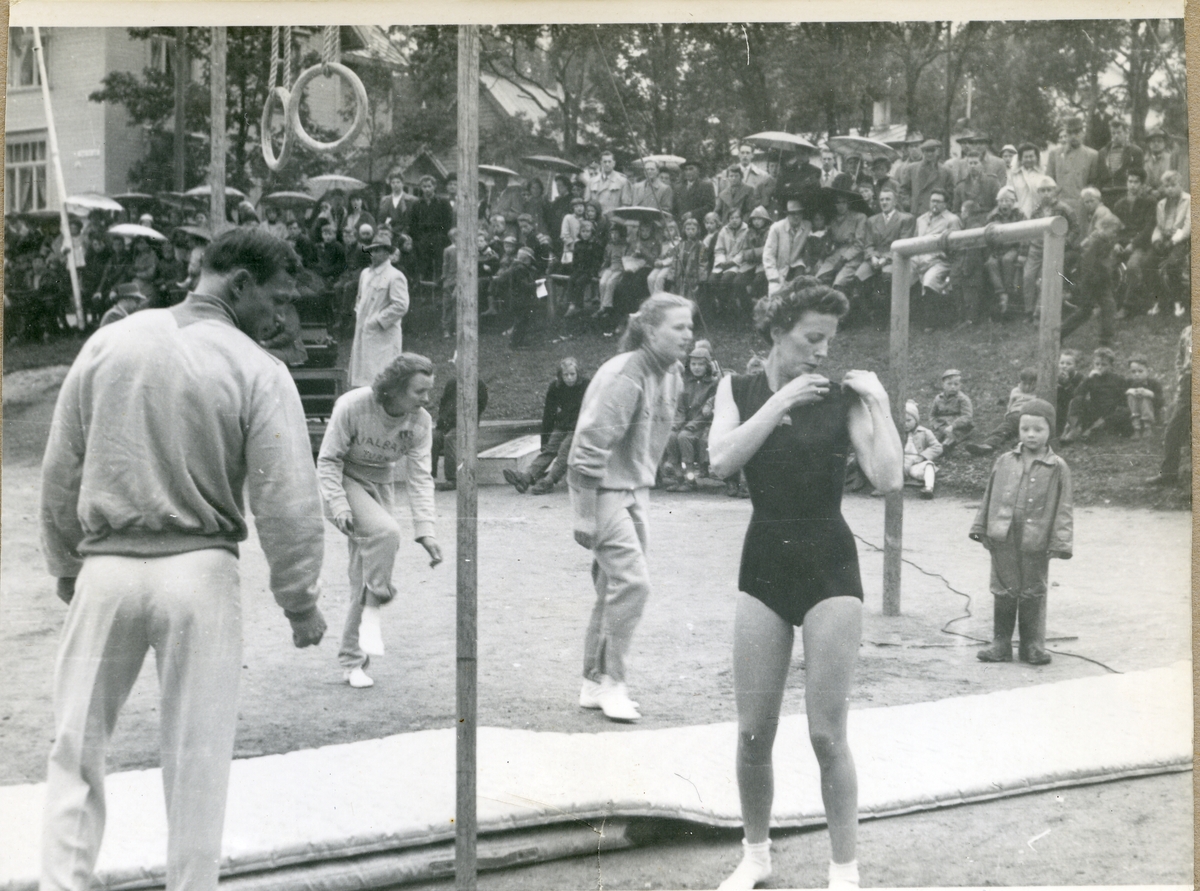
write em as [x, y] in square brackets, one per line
[94, 201]
[637, 213]
[549, 162]
[868, 148]
[327, 182]
[289, 200]
[136, 202]
[780, 141]
[179, 200]
[665, 162]
[196, 231]
[134, 230]
[205, 191]
[497, 170]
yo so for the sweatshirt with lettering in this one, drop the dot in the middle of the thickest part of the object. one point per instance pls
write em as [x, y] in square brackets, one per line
[367, 444]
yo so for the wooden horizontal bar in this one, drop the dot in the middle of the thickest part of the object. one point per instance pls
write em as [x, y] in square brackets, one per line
[1001, 233]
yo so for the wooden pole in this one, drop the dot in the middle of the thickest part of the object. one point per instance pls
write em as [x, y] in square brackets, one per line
[893, 505]
[465, 866]
[59, 181]
[216, 162]
[1050, 327]
[181, 82]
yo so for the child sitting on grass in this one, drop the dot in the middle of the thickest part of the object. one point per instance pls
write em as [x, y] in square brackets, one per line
[1100, 402]
[921, 449]
[1006, 431]
[1144, 396]
[1069, 379]
[687, 446]
[1024, 520]
[951, 417]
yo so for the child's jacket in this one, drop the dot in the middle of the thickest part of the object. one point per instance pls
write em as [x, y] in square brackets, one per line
[1047, 508]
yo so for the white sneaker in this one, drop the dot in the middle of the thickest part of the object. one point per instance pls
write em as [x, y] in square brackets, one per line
[754, 868]
[358, 678]
[589, 694]
[615, 702]
[370, 632]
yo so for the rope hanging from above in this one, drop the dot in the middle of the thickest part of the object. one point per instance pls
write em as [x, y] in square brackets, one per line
[281, 93]
[331, 51]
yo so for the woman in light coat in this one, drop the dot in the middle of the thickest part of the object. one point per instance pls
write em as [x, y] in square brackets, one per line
[380, 308]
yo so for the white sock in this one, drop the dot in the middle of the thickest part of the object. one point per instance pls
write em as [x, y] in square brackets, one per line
[843, 876]
[754, 868]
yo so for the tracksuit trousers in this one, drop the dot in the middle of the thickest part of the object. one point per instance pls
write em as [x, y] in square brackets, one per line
[373, 546]
[187, 608]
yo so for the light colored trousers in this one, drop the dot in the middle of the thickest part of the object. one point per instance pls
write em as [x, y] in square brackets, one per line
[622, 580]
[187, 607]
[373, 546]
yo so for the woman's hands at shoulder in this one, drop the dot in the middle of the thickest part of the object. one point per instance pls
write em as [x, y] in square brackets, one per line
[866, 384]
[802, 390]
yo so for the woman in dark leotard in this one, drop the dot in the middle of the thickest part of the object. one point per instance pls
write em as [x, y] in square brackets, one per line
[790, 428]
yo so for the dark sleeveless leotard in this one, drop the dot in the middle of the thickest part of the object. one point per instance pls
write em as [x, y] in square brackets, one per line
[798, 550]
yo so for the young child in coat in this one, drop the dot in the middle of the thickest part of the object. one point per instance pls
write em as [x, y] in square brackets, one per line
[1024, 520]
[1144, 396]
[921, 449]
[951, 417]
[1069, 379]
[614, 256]
[1006, 431]
[687, 446]
[1100, 401]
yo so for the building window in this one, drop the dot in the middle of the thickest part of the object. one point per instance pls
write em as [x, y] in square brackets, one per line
[22, 62]
[25, 176]
[162, 54]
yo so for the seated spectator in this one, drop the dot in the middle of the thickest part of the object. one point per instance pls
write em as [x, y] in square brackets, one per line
[921, 449]
[687, 446]
[752, 277]
[728, 261]
[735, 196]
[688, 260]
[880, 180]
[287, 344]
[559, 416]
[1100, 402]
[952, 415]
[568, 232]
[848, 241]
[145, 267]
[1178, 433]
[614, 265]
[967, 266]
[783, 252]
[641, 250]
[586, 263]
[1048, 205]
[487, 264]
[1069, 379]
[538, 243]
[1006, 431]
[932, 270]
[978, 186]
[506, 260]
[445, 431]
[708, 247]
[516, 288]
[874, 273]
[127, 300]
[448, 285]
[300, 244]
[663, 272]
[1137, 212]
[1003, 260]
[1172, 243]
[1144, 397]
[1100, 227]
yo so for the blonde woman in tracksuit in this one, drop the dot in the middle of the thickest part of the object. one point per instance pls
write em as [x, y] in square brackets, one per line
[622, 431]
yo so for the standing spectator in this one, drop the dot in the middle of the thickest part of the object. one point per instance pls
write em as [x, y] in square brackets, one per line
[688, 261]
[694, 195]
[735, 196]
[1137, 212]
[829, 168]
[852, 175]
[1027, 179]
[1172, 242]
[920, 180]
[430, 219]
[380, 306]
[162, 423]
[1099, 226]
[610, 189]
[880, 180]
[652, 191]
[1025, 519]
[1159, 159]
[1008, 155]
[1179, 427]
[1116, 160]
[976, 185]
[560, 413]
[1002, 261]
[1072, 164]
[910, 155]
[357, 216]
[568, 230]
[980, 144]
[448, 284]
[619, 440]
[537, 206]
[375, 432]
[271, 223]
[557, 209]
[783, 253]
[393, 207]
[753, 176]
[952, 415]
[516, 287]
[445, 442]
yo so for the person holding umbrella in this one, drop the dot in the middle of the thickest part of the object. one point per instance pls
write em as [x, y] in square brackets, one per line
[379, 308]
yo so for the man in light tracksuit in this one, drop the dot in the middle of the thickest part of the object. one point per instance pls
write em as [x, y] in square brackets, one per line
[162, 421]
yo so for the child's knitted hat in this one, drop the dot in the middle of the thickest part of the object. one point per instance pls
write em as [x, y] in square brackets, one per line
[911, 410]
[1040, 408]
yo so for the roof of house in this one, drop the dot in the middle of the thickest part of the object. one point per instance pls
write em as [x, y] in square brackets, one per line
[526, 98]
[374, 46]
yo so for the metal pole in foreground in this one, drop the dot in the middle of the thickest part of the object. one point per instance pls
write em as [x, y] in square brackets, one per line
[465, 867]
[181, 82]
[60, 183]
[216, 164]
[893, 505]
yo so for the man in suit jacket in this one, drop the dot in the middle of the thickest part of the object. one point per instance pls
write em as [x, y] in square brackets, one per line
[1073, 165]
[783, 252]
[694, 195]
[393, 209]
[735, 195]
[1116, 160]
[885, 227]
[920, 180]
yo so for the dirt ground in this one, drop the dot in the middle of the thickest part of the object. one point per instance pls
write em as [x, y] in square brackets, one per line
[1122, 602]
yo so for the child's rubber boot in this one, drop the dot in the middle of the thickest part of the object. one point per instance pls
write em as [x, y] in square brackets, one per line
[1033, 635]
[1004, 620]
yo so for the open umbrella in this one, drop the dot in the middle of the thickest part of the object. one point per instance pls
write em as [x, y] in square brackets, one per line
[133, 230]
[136, 202]
[94, 201]
[780, 141]
[196, 232]
[868, 148]
[327, 182]
[637, 214]
[549, 162]
[289, 200]
[205, 191]
[497, 170]
[665, 162]
[179, 200]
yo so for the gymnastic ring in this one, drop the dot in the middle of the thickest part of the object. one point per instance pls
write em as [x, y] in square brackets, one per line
[264, 129]
[360, 108]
